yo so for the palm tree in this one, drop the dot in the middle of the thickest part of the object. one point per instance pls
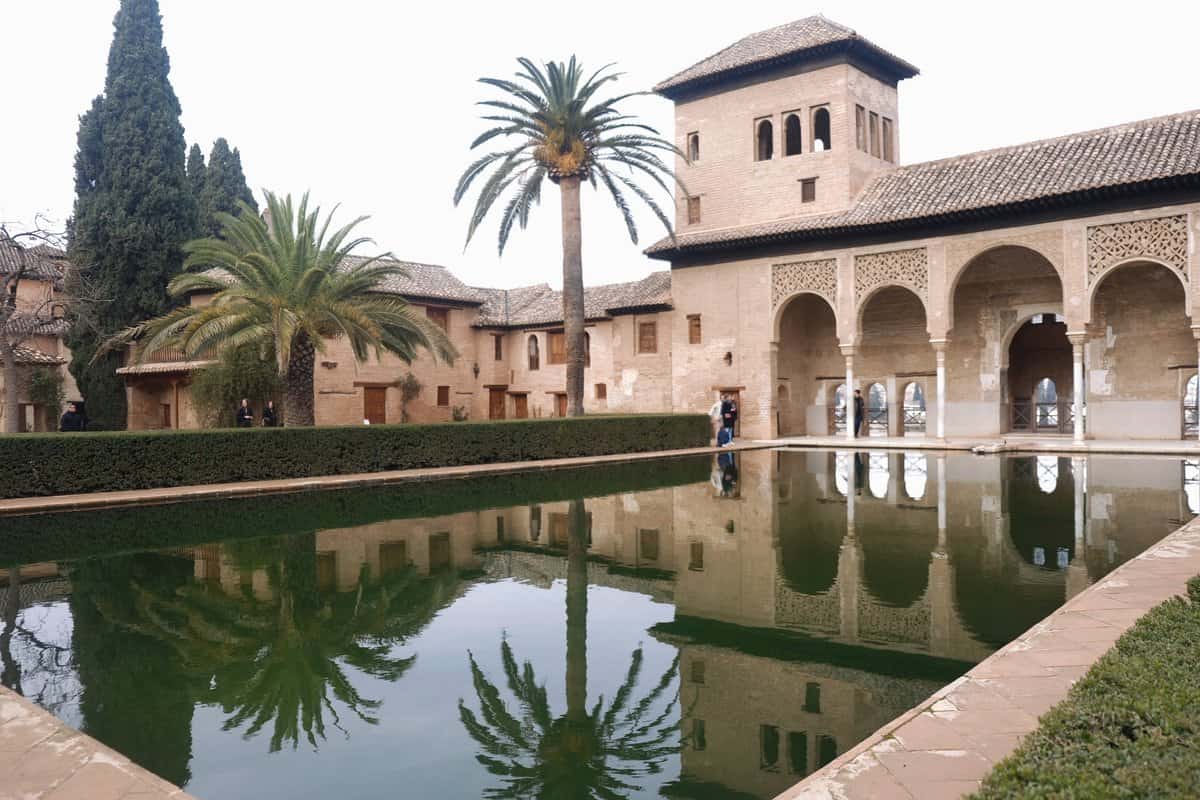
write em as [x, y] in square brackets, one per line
[584, 753]
[557, 131]
[285, 284]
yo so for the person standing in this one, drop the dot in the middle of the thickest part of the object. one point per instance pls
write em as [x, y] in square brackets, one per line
[714, 414]
[860, 412]
[72, 420]
[268, 418]
[731, 416]
[245, 415]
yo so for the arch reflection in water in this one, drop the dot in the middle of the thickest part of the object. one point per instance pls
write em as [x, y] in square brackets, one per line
[878, 474]
[916, 474]
[1047, 473]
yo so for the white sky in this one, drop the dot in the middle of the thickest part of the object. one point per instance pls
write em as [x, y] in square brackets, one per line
[370, 104]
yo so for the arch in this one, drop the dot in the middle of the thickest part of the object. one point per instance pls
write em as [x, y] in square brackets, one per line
[996, 249]
[1037, 368]
[839, 408]
[822, 138]
[871, 294]
[1046, 473]
[1191, 406]
[693, 147]
[792, 136]
[916, 475]
[786, 301]
[913, 407]
[806, 354]
[764, 140]
[587, 349]
[535, 359]
[1095, 283]
[878, 474]
[877, 410]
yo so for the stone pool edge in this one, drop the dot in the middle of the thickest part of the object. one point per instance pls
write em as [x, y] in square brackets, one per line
[946, 745]
[173, 494]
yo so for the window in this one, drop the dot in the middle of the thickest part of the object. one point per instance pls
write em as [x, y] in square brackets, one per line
[647, 341]
[826, 749]
[798, 752]
[534, 359]
[498, 347]
[557, 345]
[768, 746]
[764, 140]
[808, 190]
[601, 391]
[693, 146]
[439, 316]
[499, 528]
[693, 210]
[860, 128]
[821, 136]
[535, 522]
[693, 328]
[696, 556]
[889, 145]
[443, 395]
[874, 134]
[648, 544]
[587, 349]
[812, 698]
[791, 135]
[699, 741]
[698, 670]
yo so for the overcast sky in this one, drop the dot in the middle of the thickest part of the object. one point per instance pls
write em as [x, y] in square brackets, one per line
[370, 104]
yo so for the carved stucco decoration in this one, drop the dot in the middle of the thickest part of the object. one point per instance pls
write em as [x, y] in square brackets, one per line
[1162, 239]
[819, 277]
[908, 268]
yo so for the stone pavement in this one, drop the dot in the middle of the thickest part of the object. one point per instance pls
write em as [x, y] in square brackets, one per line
[947, 745]
[138, 497]
[41, 758]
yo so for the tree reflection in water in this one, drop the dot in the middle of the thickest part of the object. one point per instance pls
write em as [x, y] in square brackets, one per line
[595, 753]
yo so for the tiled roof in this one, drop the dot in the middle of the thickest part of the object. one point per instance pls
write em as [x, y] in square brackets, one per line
[809, 37]
[42, 262]
[541, 305]
[428, 280]
[163, 367]
[1151, 153]
[30, 356]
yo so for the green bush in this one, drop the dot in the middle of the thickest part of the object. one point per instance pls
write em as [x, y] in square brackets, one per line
[49, 464]
[55, 537]
[1130, 728]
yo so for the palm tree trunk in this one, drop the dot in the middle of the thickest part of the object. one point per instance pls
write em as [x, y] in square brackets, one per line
[572, 238]
[12, 398]
[577, 585]
[298, 384]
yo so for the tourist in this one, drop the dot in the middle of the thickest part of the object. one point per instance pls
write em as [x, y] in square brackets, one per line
[714, 414]
[245, 415]
[729, 412]
[268, 419]
[72, 420]
[860, 409]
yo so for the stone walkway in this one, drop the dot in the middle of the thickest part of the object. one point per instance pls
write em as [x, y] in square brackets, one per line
[139, 497]
[947, 745]
[42, 758]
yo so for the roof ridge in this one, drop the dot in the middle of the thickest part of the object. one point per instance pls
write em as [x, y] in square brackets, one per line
[741, 39]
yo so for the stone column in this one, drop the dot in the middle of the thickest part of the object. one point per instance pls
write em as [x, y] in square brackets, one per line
[1196, 336]
[941, 502]
[1077, 383]
[1077, 574]
[848, 352]
[776, 412]
[939, 352]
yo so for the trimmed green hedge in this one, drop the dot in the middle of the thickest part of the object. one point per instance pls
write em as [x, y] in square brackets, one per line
[73, 463]
[81, 534]
[1130, 728]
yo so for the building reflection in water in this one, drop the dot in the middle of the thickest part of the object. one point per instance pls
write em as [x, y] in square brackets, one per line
[816, 595]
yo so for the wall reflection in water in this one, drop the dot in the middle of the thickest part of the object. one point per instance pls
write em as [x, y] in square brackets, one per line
[815, 596]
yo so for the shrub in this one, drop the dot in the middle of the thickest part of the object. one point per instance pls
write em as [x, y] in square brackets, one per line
[46, 390]
[48, 464]
[1129, 728]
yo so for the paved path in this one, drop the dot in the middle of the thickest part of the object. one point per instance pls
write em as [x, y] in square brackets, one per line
[77, 502]
[42, 758]
[945, 747]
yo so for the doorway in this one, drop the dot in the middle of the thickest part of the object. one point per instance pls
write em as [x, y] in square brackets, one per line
[560, 405]
[1039, 369]
[496, 403]
[375, 404]
[521, 406]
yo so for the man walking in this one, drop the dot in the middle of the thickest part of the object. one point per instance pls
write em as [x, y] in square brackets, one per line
[860, 409]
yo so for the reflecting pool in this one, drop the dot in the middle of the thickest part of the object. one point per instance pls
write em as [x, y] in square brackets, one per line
[689, 628]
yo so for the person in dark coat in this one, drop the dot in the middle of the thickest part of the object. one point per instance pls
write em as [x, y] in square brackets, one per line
[860, 411]
[269, 420]
[245, 415]
[72, 420]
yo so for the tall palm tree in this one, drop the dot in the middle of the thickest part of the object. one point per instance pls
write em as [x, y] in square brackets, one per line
[556, 130]
[285, 284]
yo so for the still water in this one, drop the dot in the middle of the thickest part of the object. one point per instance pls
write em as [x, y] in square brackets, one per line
[693, 629]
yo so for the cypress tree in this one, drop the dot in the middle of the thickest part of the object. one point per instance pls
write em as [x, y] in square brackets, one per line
[224, 186]
[196, 171]
[133, 206]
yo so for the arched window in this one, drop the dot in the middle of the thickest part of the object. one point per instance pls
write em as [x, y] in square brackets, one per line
[764, 141]
[1047, 473]
[535, 360]
[916, 475]
[693, 147]
[877, 415]
[587, 349]
[791, 135]
[1191, 407]
[914, 408]
[1045, 398]
[822, 140]
[839, 409]
[877, 475]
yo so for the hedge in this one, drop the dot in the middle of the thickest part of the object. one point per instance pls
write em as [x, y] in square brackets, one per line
[1130, 728]
[55, 537]
[48, 464]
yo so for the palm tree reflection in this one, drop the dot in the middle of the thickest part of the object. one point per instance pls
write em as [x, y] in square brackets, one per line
[596, 753]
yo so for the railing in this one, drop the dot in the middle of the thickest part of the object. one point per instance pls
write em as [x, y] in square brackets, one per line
[914, 419]
[1191, 421]
[837, 419]
[877, 421]
[1057, 417]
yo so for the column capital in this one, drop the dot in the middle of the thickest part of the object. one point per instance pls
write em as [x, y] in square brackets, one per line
[1196, 332]
[1077, 338]
[939, 345]
[848, 350]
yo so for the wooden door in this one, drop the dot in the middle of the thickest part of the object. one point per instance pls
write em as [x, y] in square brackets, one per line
[495, 403]
[375, 404]
[166, 415]
[560, 404]
[521, 406]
